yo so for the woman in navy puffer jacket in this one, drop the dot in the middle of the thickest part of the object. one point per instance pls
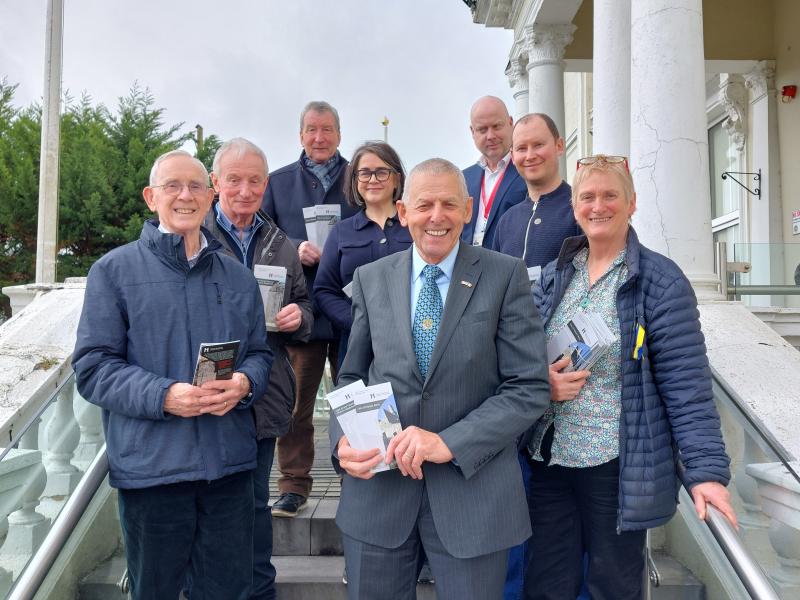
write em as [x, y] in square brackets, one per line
[604, 454]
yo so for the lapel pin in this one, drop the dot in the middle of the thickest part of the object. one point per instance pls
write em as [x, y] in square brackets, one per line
[466, 283]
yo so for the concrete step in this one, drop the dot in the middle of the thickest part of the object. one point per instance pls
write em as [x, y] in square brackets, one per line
[299, 578]
[103, 582]
[677, 582]
[313, 532]
[320, 578]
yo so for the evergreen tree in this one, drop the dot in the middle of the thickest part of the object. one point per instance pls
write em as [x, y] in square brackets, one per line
[104, 165]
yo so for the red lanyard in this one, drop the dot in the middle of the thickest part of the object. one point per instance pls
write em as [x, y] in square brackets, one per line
[487, 207]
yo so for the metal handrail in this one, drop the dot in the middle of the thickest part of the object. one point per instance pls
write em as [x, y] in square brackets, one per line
[40, 564]
[14, 441]
[766, 435]
[747, 568]
[764, 290]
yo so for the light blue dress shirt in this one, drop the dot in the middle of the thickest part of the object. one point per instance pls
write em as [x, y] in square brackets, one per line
[443, 281]
[247, 232]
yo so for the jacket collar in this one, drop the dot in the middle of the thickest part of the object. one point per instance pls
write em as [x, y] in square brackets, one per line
[169, 246]
[573, 245]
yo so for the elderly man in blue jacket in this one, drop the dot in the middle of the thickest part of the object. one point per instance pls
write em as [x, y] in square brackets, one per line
[181, 455]
[316, 178]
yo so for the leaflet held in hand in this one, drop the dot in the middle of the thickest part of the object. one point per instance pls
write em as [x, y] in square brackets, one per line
[272, 283]
[319, 219]
[368, 417]
[585, 339]
[215, 361]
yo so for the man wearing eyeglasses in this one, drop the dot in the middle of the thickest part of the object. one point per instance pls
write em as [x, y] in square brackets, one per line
[316, 178]
[239, 176]
[493, 181]
[180, 455]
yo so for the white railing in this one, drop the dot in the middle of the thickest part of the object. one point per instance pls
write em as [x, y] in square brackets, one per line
[39, 471]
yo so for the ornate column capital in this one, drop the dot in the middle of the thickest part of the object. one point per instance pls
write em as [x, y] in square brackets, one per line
[734, 101]
[545, 44]
[517, 74]
[760, 80]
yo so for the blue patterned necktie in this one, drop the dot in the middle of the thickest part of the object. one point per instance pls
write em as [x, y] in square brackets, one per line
[427, 316]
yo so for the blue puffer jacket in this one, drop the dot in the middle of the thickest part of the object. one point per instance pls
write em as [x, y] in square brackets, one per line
[667, 402]
[145, 314]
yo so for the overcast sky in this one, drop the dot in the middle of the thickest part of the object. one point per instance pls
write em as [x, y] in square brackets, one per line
[246, 68]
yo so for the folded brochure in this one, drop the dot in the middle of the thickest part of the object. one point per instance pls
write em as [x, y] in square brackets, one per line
[368, 417]
[215, 361]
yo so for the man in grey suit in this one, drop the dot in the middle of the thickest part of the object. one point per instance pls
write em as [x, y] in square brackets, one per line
[454, 329]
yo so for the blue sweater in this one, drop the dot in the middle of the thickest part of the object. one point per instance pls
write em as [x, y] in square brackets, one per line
[290, 189]
[145, 314]
[666, 395]
[551, 225]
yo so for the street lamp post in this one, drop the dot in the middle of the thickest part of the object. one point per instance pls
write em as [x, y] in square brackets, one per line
[47, 227]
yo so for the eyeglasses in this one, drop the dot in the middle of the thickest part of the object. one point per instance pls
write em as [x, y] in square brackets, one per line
[602, 158]
[381, 174]
[173, 188]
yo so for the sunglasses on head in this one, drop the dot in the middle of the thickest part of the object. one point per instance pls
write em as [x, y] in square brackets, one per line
[602, 158]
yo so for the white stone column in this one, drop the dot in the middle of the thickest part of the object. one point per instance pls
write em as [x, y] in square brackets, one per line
[611, 77]
[765, 212]
[545, 45]
[669, 137]
[518, 80]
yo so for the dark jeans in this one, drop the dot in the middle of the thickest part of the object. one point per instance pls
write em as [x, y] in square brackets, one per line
[263, 570]
[203, 526]
[572, 509]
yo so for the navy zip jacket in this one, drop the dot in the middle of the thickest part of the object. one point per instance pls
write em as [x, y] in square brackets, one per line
[291, 188]
[553, 222]
[145, 314]
[667, 401]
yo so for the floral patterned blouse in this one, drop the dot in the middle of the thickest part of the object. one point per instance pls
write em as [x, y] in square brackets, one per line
[587, 428]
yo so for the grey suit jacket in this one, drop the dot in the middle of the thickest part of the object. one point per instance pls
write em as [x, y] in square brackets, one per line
[487, 383]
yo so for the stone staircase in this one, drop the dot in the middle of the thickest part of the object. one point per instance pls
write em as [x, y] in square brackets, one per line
[307, 550]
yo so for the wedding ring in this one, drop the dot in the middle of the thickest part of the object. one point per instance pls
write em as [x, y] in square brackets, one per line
[409, 456]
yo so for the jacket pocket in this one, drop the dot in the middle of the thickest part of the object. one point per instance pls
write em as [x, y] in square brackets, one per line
[237, 437]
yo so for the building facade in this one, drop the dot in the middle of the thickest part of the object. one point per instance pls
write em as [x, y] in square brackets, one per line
[689, 90]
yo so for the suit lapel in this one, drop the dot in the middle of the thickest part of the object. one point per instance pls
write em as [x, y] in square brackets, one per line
[474, 190]
[467, 270]
[398, 284]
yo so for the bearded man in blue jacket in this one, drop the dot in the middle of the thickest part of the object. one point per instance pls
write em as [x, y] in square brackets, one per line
[180, 455]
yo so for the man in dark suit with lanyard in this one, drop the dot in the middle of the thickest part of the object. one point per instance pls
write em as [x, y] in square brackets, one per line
[493, 181]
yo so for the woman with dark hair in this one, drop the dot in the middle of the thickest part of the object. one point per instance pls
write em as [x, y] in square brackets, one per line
[603, 456]
[373, 182]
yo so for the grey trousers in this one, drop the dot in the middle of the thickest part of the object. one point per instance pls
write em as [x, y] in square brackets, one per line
[376, 573]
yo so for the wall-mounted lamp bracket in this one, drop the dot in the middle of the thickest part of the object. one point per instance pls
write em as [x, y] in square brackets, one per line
[756, 178]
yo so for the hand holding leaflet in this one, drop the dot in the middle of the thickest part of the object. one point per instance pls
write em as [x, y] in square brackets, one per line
[368, 416]
[585, 339]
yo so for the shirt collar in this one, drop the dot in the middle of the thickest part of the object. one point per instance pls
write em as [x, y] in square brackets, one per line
[446, 265]
[582, 257]
[228, 225]
[361, 220]
[501, 164]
